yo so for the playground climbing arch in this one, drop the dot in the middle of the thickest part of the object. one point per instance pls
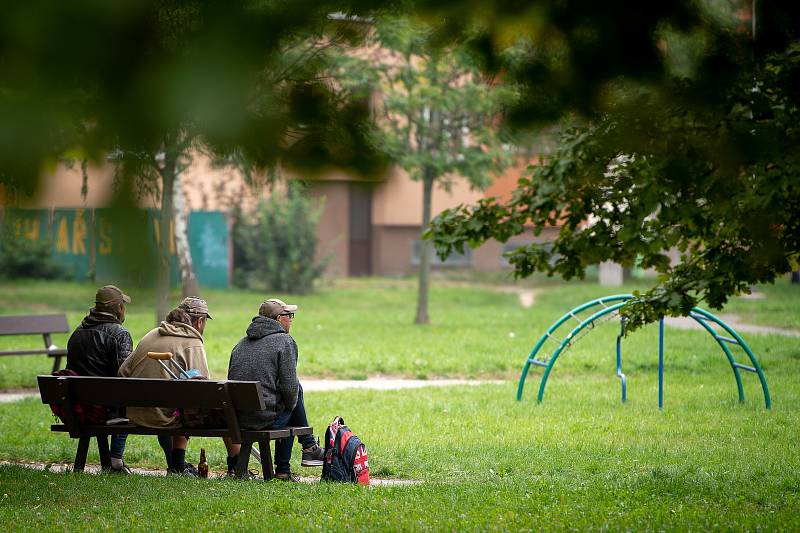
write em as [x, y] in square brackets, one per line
[581, 320]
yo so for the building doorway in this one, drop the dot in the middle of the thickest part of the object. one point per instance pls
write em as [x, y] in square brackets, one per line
[360, 230]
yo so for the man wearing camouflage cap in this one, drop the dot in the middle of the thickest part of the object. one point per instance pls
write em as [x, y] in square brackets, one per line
[268, 354]
[99, 346]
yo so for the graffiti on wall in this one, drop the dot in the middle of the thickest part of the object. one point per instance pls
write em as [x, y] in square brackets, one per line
[99, 244]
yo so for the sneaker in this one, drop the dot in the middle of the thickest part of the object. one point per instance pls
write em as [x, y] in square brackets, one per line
[313, 456]
[189, 471]
[287, 476]
[250, 474]
[121, 470]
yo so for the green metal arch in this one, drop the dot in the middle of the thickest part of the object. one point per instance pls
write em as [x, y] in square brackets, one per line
[616, 301]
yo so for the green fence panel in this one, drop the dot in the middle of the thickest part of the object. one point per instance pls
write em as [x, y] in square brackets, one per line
[71, 234]
[126, 245]
[121, 246]
[33, 224]
[209, 244]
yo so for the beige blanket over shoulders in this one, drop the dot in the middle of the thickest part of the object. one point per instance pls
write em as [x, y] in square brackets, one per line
[186, 345]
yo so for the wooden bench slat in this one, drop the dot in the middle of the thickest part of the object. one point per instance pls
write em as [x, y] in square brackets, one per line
[142, 392]
[43, 325]
[132, 429]
[58, 352]
[33, 324]
[229, 396]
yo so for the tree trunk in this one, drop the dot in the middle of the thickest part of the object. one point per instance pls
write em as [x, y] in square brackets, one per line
[167, 173]
[189, 284]
[424, 249]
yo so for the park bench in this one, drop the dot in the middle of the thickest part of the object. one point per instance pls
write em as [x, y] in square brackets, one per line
[229, 396]
[43, 325]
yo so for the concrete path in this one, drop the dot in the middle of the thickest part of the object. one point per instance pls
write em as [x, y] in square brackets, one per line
[384, 383]
[527, 297]
[733, 321]
[376, 383]
[8, 397]
[95, 469]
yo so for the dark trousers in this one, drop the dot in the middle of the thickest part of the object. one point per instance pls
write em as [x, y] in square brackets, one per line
[283, 447]
[118, 445]
[165, 441]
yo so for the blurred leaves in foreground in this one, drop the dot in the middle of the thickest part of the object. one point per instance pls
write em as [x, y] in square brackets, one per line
[685, 137]
[94, 77]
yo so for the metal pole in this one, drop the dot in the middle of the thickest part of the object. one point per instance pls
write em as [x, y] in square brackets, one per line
[165, 367]
[180, 370]
[620, 374]
[661, 363]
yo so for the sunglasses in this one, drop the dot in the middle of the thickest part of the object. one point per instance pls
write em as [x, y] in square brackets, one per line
[290, 315]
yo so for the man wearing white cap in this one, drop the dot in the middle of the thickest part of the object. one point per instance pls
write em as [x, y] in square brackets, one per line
[268, 354]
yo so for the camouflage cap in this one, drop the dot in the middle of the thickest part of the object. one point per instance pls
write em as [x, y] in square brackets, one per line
[273, 307]
[110, 294]
[195, 306]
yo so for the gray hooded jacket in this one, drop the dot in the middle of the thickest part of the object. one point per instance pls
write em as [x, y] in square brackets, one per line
[267, 355]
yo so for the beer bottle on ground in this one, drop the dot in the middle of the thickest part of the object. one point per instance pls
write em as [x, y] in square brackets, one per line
[202, 466]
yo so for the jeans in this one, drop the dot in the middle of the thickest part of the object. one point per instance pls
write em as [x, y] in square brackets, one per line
[117, 445]
[283, 447]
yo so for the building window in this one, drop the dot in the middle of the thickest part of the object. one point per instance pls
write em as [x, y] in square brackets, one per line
[511, 246]
[453, 260]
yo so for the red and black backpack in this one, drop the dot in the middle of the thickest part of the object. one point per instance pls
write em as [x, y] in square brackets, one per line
[346, 457]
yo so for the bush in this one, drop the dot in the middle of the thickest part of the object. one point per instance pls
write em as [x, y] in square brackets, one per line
[275, 246]
[23, 258]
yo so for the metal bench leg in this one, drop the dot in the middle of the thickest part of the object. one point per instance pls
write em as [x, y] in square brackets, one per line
[80, 456]
[57, 363]
[244, 459]
[102, 449]
[266, 459]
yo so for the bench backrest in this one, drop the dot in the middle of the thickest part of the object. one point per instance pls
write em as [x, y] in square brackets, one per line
[33, 324]
[140, 392]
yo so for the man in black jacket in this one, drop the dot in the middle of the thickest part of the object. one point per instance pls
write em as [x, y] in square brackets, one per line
[268, 354]
[99, 346]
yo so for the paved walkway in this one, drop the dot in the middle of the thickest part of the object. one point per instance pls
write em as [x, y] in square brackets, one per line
[8, 397]
[377, 383]
[381, 383]
[95, 469]
[685, 322]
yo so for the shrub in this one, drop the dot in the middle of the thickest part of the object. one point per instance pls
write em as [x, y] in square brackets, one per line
[24, 258]
[275, 246]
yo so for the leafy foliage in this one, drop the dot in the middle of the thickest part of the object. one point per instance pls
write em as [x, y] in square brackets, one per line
[437, 113]
[436, 116]
[24, 258]
[227, 70]
[707, 165]
[277, 248]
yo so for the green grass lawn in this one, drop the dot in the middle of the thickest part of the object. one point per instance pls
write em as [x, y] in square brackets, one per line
[778, 307]
[363, 328]
[579, 460]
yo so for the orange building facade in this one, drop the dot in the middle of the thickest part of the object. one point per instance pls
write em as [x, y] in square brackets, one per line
[366, 228]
